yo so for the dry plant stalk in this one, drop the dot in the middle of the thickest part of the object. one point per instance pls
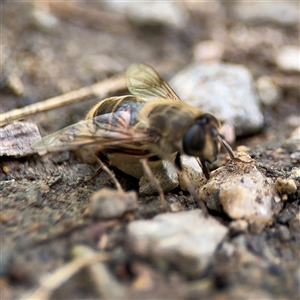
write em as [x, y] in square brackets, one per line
[100, 89]
[88, 16]
[51, 282]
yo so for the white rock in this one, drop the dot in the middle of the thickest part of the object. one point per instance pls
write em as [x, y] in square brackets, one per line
[208, 51]
[268, 92]
[43, 19]
[293, 120]
[186, 240]
[224, 90]
[15, 84]
[295, 173]
[285, 186]
[240, 190]
[288, 58]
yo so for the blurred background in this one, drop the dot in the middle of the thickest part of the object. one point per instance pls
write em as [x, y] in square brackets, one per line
[49, 48]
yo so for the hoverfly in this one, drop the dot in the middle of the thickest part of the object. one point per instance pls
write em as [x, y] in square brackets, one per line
[152, 123]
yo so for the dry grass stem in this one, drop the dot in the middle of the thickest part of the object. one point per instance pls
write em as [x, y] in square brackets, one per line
[51, 282]
[100, 89]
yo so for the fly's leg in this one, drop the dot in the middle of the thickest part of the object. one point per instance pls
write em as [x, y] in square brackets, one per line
[111, 174]
[154, 182]
[98, 171]
[190, 187]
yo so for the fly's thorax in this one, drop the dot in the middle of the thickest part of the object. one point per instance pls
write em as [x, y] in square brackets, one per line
[201, 139]
[170, 121]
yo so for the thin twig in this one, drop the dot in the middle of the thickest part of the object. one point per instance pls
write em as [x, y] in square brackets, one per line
[50, 282]
[90, 16]
[100, 89]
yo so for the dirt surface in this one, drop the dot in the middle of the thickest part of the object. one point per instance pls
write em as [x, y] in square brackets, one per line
[44, 199]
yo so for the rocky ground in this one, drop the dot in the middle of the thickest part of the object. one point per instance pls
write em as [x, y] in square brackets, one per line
[63, 237]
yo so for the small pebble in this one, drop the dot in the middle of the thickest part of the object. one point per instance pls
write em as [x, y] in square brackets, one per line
[296, 134]
[14, 83]
[175, 207]
[108, 203]
[284, 233]
[43, 19]
[295, 158]
[279, 150]
[293, 120]
[238, 226]
[285, 186]
[240, 190]
[295, 174]
[288, 58]
[242, 148]
[268, 92]
[228, 249]
[208, 51]
[277, 199]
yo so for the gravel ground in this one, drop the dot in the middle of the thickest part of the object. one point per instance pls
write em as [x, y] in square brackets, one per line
[51, 217]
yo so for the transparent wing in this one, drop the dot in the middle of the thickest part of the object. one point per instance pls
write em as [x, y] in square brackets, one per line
[104, 130]
[145, 82]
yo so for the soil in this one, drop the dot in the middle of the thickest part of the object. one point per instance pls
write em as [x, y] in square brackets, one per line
[44, 199]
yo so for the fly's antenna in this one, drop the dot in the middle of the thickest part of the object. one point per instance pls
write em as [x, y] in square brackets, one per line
[226, 146]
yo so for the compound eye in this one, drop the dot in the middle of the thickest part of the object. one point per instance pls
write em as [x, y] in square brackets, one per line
[193, 140]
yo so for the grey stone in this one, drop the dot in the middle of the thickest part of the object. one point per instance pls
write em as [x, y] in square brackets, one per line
[186, 240]
[108, 203]
[165, 174]
[224, 90]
